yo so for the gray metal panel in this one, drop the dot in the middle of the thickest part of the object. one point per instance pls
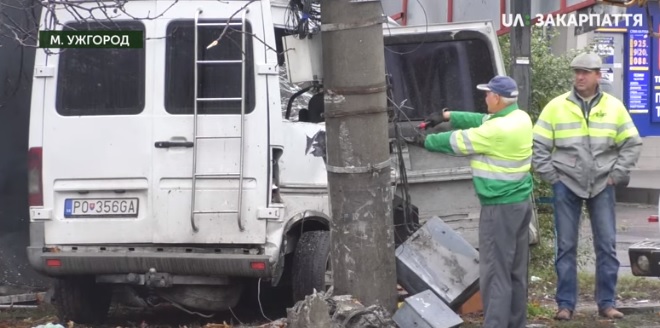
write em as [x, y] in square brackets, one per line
[539, 7]
[465, 10]
[436, 11]
[391, 7]
[435, 257]
[426, 310]
[544, 6]
[471, 10]
[574, 2]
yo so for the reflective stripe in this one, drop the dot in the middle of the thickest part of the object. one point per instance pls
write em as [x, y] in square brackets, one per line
[600, 130]
[625, 131]
[559, 142]
[625, 126]
[543, 140]
[468, 143]
[601, 140]
[453, 142]
[499, 175]
[456, 147]
[544, 124]
[568, 126]
[511, 164]
[594, 141]
[599, 125]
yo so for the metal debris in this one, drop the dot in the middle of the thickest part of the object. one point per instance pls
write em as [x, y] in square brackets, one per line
[310, 312]
[23, 298]
[437, 258]
[426, 310]
[321, 310]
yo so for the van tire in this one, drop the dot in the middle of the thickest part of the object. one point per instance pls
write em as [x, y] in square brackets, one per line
[81, 300]
[309, 263]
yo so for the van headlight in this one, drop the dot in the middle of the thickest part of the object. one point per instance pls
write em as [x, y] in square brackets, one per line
[643, 263]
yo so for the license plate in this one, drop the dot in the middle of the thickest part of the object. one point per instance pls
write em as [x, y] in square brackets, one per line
[101, 207]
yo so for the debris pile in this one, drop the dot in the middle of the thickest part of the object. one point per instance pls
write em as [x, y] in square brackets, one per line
[322, 310]
[441, 270]
[436, 266]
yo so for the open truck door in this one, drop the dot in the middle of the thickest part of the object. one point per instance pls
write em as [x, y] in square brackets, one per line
[430, 68]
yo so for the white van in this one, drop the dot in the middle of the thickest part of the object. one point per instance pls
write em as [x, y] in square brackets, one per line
[172, 170]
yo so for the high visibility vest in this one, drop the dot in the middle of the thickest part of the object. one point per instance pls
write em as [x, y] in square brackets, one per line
[582, 145]
[500, 146]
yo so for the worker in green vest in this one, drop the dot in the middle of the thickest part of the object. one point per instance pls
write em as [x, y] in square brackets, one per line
[500, 146]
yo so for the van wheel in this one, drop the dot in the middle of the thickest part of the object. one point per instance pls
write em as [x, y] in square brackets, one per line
[311, 264]
[81, 300]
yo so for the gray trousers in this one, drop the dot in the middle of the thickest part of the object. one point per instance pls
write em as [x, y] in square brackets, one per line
[503, 262]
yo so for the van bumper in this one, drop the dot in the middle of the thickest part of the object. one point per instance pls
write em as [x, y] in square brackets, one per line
[95, 263]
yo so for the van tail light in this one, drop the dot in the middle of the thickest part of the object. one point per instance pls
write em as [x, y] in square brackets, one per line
[35, 185]
[260, 266]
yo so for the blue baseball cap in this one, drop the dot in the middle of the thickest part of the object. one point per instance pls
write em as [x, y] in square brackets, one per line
[501, 85]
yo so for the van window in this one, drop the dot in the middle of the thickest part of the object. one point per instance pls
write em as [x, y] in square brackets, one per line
[434, 75]
[215, 80]
[92, 81]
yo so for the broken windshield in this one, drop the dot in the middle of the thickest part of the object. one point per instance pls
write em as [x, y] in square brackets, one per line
[434, 75]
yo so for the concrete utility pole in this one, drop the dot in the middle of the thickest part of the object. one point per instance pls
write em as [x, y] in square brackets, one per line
[358, 166]
[521, 54]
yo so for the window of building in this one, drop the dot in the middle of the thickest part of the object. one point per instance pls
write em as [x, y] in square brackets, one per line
[215, 80]
[101, 81]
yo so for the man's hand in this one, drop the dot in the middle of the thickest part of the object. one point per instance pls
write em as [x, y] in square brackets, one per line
[610, 181]
[437, 118]
[417, 140]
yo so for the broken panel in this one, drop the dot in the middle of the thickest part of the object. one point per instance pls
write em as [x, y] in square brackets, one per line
[437, 258]
[426, 310]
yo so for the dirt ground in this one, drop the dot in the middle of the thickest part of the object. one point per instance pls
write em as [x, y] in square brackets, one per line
[160, 317]
[638, 298]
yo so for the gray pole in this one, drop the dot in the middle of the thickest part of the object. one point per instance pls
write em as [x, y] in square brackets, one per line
[358, 152]
[521, 54]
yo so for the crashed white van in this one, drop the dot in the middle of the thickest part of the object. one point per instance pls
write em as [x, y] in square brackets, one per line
[173, 171]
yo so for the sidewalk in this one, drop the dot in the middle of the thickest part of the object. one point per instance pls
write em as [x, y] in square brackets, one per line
[644, 186]
[632, 226]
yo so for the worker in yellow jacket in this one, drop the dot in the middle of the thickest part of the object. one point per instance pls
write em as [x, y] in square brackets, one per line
[585, 143]
[500, 144]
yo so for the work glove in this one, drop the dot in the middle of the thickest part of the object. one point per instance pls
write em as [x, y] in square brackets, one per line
[417, 140]
[434, 119]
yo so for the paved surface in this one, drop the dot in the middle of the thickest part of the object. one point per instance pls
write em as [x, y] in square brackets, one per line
[632, 226]
[647, 172]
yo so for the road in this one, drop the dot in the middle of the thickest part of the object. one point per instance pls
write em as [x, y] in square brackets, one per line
[632, 226]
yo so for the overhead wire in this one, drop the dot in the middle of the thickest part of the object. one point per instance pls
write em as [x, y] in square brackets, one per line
[426, 26]
[302, 18]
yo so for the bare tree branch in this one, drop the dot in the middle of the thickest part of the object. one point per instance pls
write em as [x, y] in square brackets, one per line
[216, 41]
[43, 15]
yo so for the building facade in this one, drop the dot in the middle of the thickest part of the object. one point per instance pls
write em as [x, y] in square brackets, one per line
[630, 55]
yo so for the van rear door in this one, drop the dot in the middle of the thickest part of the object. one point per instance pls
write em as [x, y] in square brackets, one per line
[97, 135]
[222, 84]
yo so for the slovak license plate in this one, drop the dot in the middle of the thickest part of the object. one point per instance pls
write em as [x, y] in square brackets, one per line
[101, 207]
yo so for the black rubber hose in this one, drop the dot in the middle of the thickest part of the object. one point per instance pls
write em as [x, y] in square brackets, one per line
[295, 95]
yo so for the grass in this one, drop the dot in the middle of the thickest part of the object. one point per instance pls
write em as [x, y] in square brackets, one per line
[628, 287]
[541, 307]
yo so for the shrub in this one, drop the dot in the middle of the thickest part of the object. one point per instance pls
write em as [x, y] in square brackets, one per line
[550, 77]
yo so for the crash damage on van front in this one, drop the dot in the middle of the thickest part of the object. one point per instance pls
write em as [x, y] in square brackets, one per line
[190, 170]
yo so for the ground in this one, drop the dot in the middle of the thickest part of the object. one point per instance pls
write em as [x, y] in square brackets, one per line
[638, 297]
